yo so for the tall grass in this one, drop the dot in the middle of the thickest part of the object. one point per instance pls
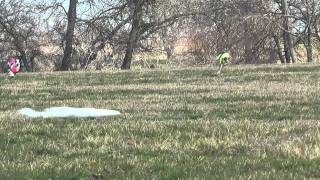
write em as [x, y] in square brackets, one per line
[249, 122]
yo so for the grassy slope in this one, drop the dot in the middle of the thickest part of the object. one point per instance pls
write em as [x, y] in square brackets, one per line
[254, 121]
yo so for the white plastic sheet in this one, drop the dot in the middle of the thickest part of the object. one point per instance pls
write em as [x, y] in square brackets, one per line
[62, 112]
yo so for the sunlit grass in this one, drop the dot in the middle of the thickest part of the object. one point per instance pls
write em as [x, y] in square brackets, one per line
[250, 122]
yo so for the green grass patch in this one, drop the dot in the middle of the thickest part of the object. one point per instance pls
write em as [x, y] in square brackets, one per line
[250, 122]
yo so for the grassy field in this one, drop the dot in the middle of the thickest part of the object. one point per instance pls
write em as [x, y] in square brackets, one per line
[259, 122]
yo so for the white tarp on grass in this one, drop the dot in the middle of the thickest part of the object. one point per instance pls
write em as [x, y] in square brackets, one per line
[62, 112]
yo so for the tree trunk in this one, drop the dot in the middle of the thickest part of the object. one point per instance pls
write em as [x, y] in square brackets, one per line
[309, 46]
[23, 55]
[134, 33]
[285, 34]
[248, 46]
[309, 53]
[24, 60]
[72, 13]
[288, 47]
[248, 40]
[279, 50]
[291, 49]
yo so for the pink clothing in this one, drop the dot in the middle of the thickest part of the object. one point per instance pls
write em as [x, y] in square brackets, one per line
[14, 65]
[15, 69]
[12, 61]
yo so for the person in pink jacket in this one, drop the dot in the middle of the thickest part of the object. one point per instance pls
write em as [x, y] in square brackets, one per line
[13, 67]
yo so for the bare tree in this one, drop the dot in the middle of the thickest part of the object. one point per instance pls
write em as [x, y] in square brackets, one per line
[72, 14]
[104, 27]
[18, 25]
[306, 15]
[136, 7]
[235, 26]
[147, 20]
[253, 31]
[287, 40]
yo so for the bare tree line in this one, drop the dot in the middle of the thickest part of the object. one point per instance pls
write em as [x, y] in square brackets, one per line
[86, 31]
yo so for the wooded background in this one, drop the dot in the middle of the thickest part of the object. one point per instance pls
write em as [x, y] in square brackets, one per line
[97, 34]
